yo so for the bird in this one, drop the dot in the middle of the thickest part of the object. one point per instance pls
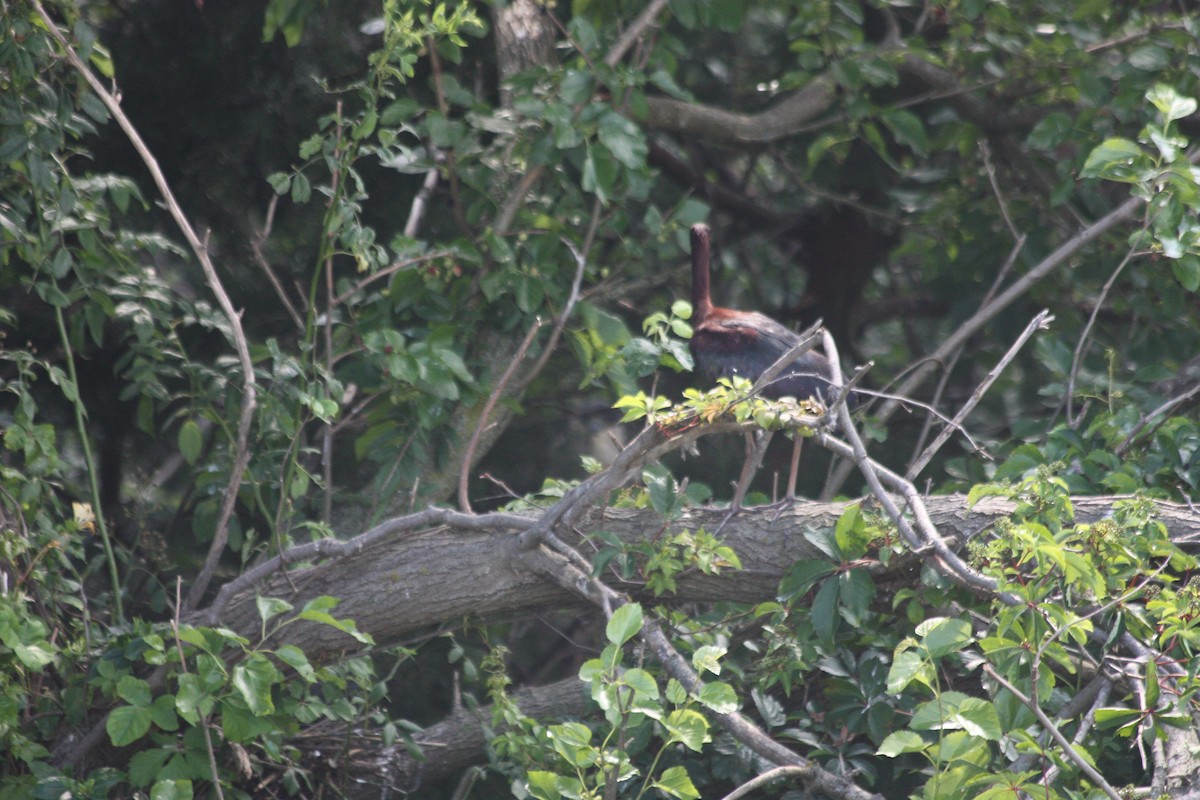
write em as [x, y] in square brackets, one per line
[727, 342]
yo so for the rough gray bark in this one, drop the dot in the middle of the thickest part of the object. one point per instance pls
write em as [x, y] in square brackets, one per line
[785, 118]
[371, 770]
[524, 38]
[397, 587]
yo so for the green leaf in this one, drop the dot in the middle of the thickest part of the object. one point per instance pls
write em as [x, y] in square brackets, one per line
[1172, 105]
[314, 611]
[1115, 159]
[193, 700]
[642, 683]
[253, 679]
[145, 765]
[134, 691]
[301, 188]
[708, 659]
[311, 146]
[824, 611]
[599, 173]
[1116, 717]
[720, 697]
[1052, 131]
[906, 666]
[190, 441]
[623, 139]
[941, 636]
[1187, 271]
[675, 782]
[800, 577]
[856, 592]
[172, 790]
[269, 607]
[688, 727]
[60, 265]
[573, 741]
[280, 182]
[1149, 58]
[938, 714]
[899, 742]
[578, 87]
[907, 129]
[660, 487]
[239, 724]
[399, 111]
[850, 532]
[625, 623]
[127, 724]
[295, 658]
[542, 785]
[978, 717]
[162, 713]
[1153, 690]
[366, 127]
[35, 655]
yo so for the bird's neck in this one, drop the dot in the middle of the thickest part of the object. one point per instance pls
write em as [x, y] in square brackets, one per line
[701, 301]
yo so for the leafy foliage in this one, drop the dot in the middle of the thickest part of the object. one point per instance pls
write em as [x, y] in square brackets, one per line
[417, 227]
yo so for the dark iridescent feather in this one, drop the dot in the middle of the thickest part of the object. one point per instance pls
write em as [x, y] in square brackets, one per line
[726, 342]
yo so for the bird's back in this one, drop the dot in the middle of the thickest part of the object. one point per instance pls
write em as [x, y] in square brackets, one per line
[746, 343]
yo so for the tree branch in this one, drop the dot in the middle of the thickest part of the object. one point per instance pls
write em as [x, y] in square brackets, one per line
[787, 117]
[245, 418]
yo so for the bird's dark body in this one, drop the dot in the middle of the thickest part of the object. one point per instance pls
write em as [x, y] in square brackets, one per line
[747, 343]
[726, 342]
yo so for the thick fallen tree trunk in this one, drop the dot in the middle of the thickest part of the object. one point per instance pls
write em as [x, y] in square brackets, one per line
[400, 584]
[405, 582]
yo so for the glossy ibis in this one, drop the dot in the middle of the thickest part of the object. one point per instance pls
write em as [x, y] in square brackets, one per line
[726, 342]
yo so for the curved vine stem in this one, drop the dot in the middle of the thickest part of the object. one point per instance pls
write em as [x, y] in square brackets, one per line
[246, 416]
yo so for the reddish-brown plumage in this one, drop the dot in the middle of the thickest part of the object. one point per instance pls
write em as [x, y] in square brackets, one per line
[729, 342]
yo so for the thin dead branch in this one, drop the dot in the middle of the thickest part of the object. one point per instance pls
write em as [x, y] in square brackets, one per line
[241, 455]
[257, 240]
[1041, 321]
[1085, 336]
[464, 500]
[1060, 256]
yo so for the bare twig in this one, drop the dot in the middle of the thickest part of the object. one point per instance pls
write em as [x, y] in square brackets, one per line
[985, 151]
[808, 340]
[460, 218]
[508, 212]
[1048, 725]
[256, 246]
[1166, 407]
[407, 263]
[570, 570]
[920, 534]
[1039, 322]
[246, 417]
[464, 500]
[759, 781]
[417, 212]
[630, 36]
[1085, 337]
[952, 359]
[986, 314]
[581, 260]
[327, 329]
